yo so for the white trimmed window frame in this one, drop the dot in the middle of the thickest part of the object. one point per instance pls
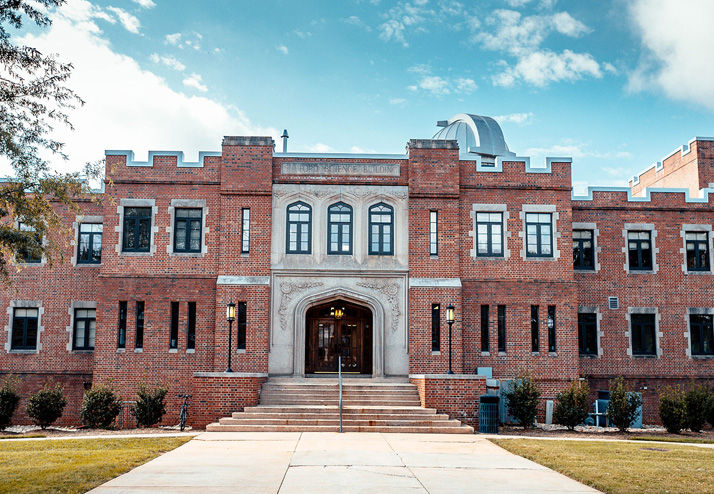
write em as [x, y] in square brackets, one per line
[539, 208]
[599, 334]
[689, 228]
[78, 220]
[596, 246]
[641, 227]
[43, 260]
[490, 208]
[658, 334]
[188, 204]
[136, 203]
[24, 304]
[79, 304]
[687, 333]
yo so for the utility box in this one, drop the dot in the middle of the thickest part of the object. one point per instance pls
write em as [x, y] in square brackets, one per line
[505, 417]
[488, 414]
[549, 412]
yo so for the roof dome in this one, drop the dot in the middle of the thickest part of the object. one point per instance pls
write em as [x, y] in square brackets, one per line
[475, 134]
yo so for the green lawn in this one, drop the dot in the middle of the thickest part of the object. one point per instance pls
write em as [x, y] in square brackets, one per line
[74, 465]
[669, 439]
[620, 467]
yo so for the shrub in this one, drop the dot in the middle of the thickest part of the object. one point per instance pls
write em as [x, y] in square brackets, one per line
[9, 398]
[46, 406]
[100, 406]
[523, 399]
[710, 409]
[624, 405]
[697, 402]
[673, 409]
[572, 405]
[150, 406]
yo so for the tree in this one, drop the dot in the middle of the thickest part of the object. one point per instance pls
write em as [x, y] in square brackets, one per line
[572, 405]
[46, 406]
[624, 405]
[33, 99]
[522, 399]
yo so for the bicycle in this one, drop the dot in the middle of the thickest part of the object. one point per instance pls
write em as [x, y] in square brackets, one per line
[183, 413]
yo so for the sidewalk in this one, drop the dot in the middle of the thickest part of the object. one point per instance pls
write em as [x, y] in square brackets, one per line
[291, 462]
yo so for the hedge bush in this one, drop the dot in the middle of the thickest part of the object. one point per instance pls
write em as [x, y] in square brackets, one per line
[46, 406]
[150, 406]
[9, 399]
[697, 402]
[523, 399]
[572, 405]
[624, 405]
[100, 406]
[673, 409]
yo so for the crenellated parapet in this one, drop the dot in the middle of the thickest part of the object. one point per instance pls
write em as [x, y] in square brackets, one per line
[624, 197]
[162, 166]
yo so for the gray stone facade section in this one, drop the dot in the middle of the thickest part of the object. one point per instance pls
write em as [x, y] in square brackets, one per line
[248, 141]
[340, 169]
[433, 144]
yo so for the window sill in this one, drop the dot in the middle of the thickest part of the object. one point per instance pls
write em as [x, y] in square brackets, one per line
[535, 354]
[24, 352]
[485, 354]
[136, 254]
[490, 258]
[541, 258]
[240, 350]
[121, 350]
[641, 271]
[584, 271]
[552, 354]
[702, 357]
[190, 350]
[588, 355]
[433, 352]
[698, 273]
[173, 350]
[645, 356]
[138, 350]
[79, 352]
[245, 254]
[88, 265]
[502, 354]
[187, 254]
[432, 256]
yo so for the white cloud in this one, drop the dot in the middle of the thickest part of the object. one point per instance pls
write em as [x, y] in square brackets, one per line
[437, 85]
[169, 61]
[518, 118]
[517, 3]
[303, 34]
[356, 21]
[145, 113]
[464, 85]
[574, 150]
[397, 101]
[416, 18]
[282, 49]
[540, 68]
[195, 81]
[127, 20]
[147, 4]
[565, 24]
[172, 39]
[320, 148]
[434, 84]
[676, 47]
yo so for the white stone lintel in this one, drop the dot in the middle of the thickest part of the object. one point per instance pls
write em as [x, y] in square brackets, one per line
[243, 280]
[435, 282]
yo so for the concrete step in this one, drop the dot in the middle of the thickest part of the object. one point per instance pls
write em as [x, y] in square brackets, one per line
[326, 402]
[336, 421]
[460, 429]
[295, 409]
[336, 416]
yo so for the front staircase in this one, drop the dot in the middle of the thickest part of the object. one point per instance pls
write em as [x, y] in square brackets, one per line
[312, 405]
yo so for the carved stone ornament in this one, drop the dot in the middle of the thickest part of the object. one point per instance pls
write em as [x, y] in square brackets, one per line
[287, 290]
[391, 290]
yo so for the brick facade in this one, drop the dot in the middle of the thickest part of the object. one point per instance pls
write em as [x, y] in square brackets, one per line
[400, 289]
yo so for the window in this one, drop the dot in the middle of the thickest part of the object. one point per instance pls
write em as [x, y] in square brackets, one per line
[639, 248]
[245, 231]
[339, 226]
[642, 327]
[435, 328]
[89, 250]
[85, 323]
[191, 328]
[701, 333]
[187, 230]
[551, 329]
[139, 343]
[489, 234]
[484, 328]
[299, 228]
[28, 252]
[173, 331]
[535, 346]
[583, 250]
[539, 235]
[137, 229]
[381, 230]
[24, 329]
[697, 251]
[121, 336]
[242, 318]
[587, 333]
[433, 233]
[502, 328]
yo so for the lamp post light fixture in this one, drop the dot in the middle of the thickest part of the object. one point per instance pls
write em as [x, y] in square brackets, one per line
[450, 318]
[230, 317]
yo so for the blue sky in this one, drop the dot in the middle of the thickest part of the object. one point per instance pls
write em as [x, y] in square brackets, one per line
[616, 84]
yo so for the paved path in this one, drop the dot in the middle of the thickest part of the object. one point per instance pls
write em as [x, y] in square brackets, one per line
[326, 463]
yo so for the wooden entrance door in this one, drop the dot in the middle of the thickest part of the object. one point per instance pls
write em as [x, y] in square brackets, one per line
[348, 336]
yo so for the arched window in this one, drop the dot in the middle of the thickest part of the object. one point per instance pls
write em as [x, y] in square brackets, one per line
[339, 228]
[381, 230]
[299, 234]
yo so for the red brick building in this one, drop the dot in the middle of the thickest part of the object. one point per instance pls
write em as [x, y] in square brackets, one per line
[359, 256]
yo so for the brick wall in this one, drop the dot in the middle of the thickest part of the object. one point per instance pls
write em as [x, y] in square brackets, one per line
[218, 394]
[456, 395]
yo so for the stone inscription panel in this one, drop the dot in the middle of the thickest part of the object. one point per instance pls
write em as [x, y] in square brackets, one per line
[341, 169]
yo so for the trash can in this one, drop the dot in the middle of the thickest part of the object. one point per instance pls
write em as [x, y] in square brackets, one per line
[488, 414]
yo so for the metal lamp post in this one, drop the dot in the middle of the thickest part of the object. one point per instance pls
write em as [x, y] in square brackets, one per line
[450, 317]
[230, 317]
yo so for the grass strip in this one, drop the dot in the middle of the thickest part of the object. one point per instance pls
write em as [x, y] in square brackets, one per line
[694, 440]
[74, 465]
[30, 436]
[622, 467]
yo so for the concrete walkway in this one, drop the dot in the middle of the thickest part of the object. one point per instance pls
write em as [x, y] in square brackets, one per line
[325, 463]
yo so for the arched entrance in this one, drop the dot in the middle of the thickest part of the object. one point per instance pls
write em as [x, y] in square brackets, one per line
[338, 328]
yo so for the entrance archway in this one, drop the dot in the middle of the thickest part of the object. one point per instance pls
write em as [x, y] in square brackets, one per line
[338, 328]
